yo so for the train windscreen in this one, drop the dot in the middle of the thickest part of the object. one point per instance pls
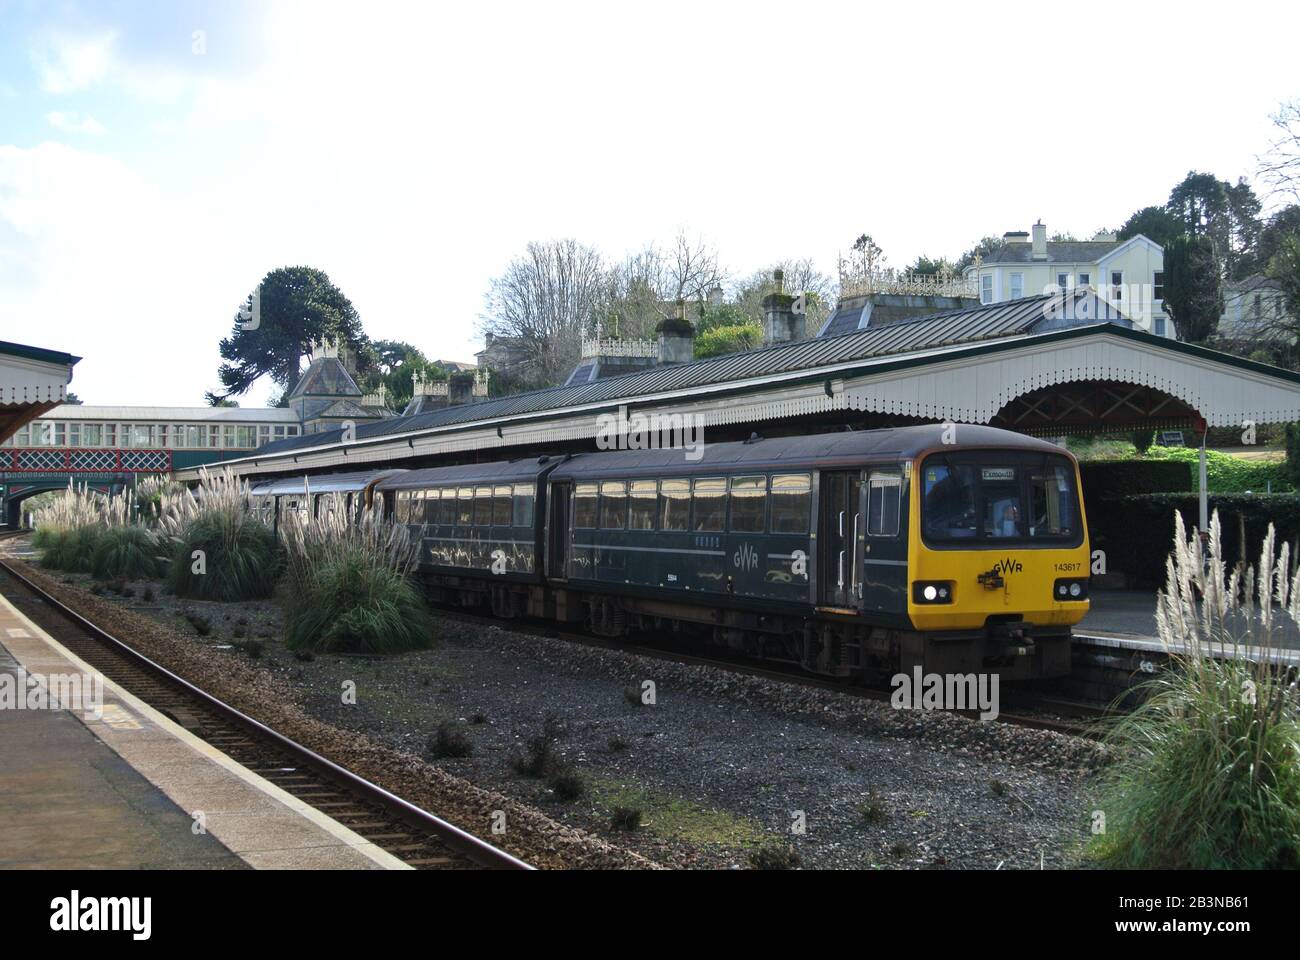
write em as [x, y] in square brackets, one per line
[997, 498]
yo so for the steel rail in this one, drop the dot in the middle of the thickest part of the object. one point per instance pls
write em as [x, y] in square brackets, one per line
[458, 840]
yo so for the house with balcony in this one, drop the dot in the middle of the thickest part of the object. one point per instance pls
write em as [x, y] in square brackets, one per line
[1127, 275]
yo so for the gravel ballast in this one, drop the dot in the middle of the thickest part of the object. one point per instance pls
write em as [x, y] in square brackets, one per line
[719, 770]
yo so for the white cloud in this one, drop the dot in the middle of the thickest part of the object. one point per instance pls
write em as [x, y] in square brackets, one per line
[66, 64]
[70, 121]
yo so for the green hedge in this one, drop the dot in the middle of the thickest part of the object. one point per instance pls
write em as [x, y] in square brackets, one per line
[1105, 481]
[1228, 474]
[1137, 532]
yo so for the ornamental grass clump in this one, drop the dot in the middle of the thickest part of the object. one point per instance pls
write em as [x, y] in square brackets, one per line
[85, 532]
[218, 548]
[1208, 768]
[128, 551]
[348, 583]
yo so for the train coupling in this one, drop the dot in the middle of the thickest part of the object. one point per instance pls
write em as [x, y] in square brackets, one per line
[1013, 637]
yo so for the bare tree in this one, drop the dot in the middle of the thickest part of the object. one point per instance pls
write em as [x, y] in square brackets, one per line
[799, 276]
[1280, 164]
[692, 268]
[644, 287]
[544, 301]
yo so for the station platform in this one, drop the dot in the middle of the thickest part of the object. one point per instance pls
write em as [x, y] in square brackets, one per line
[1131, 615]
[97, 778]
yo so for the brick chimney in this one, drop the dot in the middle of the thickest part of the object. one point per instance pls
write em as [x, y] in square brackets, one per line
[1040, 241]
[676, 337]
[780, 323]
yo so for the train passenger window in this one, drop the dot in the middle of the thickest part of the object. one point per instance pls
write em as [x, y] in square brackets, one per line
[417, 506]
[884, 492]
[791, 502]
[482, 506]
[447, 508]
[584, 506]
[501, 507]
[674, 504]
[709, 505]
[613, 505]
[523, 504]
[748, 504]
[644, 503]
[464, 506]
[403, 507]
[432, 506]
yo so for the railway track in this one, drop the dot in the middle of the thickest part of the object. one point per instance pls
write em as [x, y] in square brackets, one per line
[1028, 710]
[418, 838]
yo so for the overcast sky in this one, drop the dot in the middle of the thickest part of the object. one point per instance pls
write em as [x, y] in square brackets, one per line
[151, 175]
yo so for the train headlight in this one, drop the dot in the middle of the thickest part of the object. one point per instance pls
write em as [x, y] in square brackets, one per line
[932, 591]
[1070, 591]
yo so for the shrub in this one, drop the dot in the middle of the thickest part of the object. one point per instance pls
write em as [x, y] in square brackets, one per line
[240, 558]
[1133, 530]
[874, 810]
[539, 756]
[567, 784]
[130, 552]
[625, 818]
[71, 549]
[1226, 473]
[348, 583]
[774, 858]
[727, 339]
[1207, 775]
[449, 741]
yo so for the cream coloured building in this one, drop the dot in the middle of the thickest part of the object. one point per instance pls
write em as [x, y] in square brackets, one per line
[1129, 274]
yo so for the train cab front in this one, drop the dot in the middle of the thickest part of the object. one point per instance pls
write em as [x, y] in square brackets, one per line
[1000, 561]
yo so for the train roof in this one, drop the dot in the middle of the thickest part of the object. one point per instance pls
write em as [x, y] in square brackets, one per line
[803, 452]
[501, 471]
[323, 483]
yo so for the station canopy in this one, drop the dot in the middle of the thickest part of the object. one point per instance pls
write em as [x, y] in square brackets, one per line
[1040, 365]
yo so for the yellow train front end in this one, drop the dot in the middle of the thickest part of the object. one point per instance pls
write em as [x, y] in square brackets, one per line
[998, 560]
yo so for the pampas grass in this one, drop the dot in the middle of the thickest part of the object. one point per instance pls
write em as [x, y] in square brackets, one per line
[1208, 774]
[348, 583]
[219, 549]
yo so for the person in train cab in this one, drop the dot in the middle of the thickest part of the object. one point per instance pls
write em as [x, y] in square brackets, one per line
[1009, 525]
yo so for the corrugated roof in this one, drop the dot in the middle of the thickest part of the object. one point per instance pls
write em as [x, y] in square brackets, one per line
[824, 449]
[79, 411]
[987, 322]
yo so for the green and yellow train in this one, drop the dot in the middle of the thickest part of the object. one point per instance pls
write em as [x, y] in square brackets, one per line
[957, 549]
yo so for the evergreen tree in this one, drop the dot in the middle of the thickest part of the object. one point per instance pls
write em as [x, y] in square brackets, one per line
[1193, 290]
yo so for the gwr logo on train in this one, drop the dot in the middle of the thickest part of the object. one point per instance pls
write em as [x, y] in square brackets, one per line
[1008, 565]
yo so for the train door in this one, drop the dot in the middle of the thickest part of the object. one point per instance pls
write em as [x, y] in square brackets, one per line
[885, 563]
[557, 531]
[839, 565]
